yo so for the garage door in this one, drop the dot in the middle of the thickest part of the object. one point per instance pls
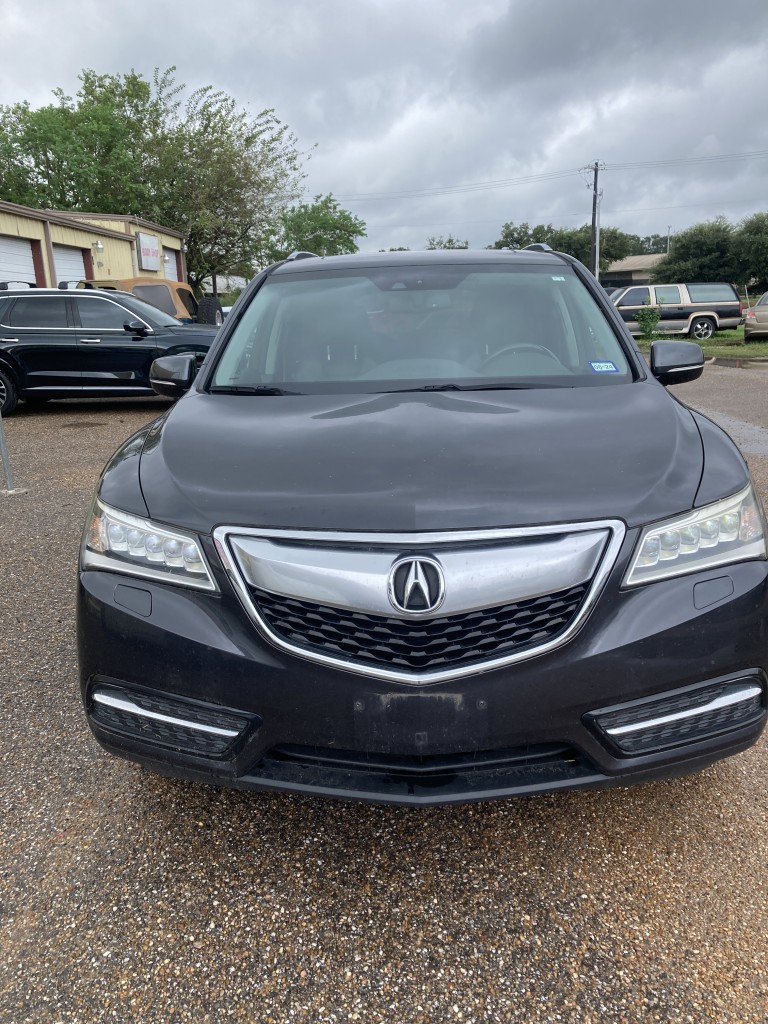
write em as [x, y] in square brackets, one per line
[69, 263]
[169, 264]
[16, 262]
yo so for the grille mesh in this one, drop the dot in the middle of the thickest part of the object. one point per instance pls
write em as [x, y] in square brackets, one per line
[420, 645]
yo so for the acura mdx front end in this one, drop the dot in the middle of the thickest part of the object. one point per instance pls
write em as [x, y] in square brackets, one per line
[424, 528]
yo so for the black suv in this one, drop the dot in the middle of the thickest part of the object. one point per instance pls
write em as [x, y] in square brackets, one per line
[89, 344]
[425, 527]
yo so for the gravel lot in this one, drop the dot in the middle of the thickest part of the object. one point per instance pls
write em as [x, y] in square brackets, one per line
[131, 898]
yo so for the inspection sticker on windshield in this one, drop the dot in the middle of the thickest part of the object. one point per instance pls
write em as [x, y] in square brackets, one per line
[604, 367]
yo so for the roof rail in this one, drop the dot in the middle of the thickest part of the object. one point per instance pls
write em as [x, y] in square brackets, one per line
[5, 285]
[539, 247]
[64, 285]
[300, 254]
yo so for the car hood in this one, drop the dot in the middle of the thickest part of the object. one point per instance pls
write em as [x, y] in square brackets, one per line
[424, 461]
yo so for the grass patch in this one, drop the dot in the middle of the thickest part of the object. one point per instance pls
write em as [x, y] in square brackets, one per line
[723, 345]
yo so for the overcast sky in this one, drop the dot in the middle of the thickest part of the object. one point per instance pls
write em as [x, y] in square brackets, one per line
[419, 96]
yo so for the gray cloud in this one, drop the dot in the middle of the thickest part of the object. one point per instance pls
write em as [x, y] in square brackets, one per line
[401, 95]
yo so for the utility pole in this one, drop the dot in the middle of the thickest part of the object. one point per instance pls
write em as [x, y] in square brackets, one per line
[597, 195]
[594, 249]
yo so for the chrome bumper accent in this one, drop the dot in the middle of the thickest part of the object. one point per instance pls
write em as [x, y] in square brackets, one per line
[737, 695]
[567, 551]
[123, 704]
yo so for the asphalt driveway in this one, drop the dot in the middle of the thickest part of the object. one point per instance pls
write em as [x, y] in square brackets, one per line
[126, 897]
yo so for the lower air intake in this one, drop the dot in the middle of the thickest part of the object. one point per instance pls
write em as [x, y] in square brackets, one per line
[689, 717]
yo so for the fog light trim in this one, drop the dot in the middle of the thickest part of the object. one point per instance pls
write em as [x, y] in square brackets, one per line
[736, 695]
[124, 704]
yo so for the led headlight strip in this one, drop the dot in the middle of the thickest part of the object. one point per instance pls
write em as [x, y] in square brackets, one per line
[121, 542]
[730, 530]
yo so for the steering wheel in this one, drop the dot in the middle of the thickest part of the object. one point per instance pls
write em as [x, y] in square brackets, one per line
[538, 349]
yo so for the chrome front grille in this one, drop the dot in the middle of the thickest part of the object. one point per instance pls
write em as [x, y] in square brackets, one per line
[424, 644]
[483, 598]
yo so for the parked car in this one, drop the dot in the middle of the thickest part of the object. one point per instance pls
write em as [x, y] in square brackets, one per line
[425, 527]
[697, 310]
[756, 320]
[92, 344]
[174, 297]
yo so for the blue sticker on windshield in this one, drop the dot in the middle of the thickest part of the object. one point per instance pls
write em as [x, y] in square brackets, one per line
[604, 367]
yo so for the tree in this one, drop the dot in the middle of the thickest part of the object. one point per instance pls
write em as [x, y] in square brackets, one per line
[205, 168]
[446, 243]
[652, 245]
[750, 249]
[703, 252]
[322, 227]
[517, 236]
[614, 244]
[86, 154]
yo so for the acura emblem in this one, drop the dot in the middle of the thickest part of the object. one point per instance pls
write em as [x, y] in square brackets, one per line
[416, 585]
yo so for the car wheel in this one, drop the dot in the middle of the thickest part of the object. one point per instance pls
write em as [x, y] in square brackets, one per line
[209, 311]
[9, 396]
[702, 327]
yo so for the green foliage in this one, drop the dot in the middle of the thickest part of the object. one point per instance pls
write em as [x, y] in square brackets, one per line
[646, 245]
[322, 227]
[704, 252]
[446, 243]
[711, 251]
[614, 244]
[750, 249]
[125, 145]
[647, 319]
[84, 153]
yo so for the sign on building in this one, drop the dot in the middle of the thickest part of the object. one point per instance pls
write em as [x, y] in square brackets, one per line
[149, 251]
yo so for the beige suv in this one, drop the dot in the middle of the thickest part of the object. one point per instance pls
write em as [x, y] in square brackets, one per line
[173, 297]
[756, 320]
[694, 309]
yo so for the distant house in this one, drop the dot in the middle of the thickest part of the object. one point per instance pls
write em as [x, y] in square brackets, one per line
[630, 270]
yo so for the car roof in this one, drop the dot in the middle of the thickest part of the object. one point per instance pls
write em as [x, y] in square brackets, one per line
[79, 292]
[418, 257]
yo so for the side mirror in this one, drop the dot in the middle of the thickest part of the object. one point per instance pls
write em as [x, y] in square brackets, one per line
[675, 362]
[136, 327]
[171, 376]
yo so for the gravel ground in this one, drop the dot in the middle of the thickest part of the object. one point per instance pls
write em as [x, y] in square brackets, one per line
[131, 898]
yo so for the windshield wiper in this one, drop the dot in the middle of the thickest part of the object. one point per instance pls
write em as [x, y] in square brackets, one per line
[501, 386]
[249, 389]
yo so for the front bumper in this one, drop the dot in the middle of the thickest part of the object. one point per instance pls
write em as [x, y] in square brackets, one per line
[182, 682]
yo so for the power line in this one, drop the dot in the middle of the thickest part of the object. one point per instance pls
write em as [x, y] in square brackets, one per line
[556, 215]
[484, 186]
[480, 186]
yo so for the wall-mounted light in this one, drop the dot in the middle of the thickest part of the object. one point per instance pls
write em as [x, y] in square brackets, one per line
[98, 246]
[166, 258]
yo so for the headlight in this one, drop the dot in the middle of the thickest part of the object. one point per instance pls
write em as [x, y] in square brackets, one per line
[731, 530]
[121, 542]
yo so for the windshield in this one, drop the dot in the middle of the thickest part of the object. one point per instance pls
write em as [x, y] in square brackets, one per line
[406, 327]
[148, 312]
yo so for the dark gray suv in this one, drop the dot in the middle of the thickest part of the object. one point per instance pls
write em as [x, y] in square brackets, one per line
[425, 527]
[85, 344]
